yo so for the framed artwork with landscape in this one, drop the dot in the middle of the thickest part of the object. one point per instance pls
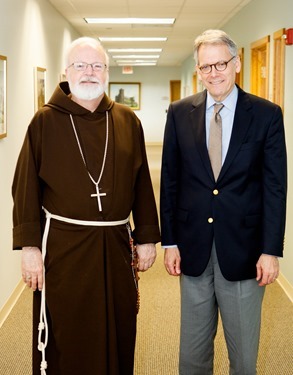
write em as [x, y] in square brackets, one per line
[40, 87]
[3, 116]
[127, 93]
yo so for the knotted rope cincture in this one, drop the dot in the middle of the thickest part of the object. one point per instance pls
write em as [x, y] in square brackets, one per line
[43, 324]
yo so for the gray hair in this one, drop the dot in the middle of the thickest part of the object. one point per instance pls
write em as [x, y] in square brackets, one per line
[214, 37]
[86, 41]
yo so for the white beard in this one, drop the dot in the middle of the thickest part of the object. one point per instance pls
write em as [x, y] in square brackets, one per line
[87, 92]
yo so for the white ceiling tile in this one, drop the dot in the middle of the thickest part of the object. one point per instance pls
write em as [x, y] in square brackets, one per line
[192, 17]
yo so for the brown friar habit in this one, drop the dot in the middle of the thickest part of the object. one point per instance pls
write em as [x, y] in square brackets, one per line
[90, 290]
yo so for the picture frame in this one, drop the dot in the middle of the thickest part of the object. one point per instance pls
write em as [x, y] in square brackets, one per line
[40, 87]
[62, 77]
[3, 95]
[127, 93]
[239, 76]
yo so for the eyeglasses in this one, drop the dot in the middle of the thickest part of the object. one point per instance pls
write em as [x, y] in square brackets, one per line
[220, 66]
[82, 66]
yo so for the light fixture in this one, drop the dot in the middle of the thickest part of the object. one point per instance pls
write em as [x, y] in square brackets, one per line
[138, 64]
[137, 21]
[135, 50]
[135, 61]
[132, 39]
[135, 56]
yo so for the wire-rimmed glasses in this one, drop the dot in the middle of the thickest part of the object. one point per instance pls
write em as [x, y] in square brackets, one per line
[82, 66]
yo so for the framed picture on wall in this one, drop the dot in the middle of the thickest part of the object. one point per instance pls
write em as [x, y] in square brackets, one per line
[62, 77]
[239, 76]
[3, 116]
[40, 87]
[127, 93]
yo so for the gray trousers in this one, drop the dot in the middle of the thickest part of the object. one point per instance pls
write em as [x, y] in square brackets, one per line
[239, 304]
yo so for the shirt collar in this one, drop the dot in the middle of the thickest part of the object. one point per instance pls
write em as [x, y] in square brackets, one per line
[229, 102]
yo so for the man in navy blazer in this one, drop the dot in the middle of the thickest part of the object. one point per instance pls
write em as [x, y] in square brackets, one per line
[222, 236]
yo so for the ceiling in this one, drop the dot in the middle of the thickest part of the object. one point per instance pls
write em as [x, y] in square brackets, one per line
[191, 18]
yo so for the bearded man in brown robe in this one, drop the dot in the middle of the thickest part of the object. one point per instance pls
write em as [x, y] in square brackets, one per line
[81, 172]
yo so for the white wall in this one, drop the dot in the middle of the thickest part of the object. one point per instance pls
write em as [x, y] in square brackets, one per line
[256, 20]
[155, 96]
[32, 34]
[187, 70]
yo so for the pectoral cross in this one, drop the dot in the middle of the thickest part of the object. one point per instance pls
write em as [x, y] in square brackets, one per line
[98, 195]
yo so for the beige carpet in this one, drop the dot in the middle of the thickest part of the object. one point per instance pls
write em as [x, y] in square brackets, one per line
[158, 331]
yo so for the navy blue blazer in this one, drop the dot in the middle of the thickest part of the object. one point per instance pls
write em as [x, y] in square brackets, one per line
[244, 211]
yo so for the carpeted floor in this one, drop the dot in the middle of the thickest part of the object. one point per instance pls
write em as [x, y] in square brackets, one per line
[158, 331]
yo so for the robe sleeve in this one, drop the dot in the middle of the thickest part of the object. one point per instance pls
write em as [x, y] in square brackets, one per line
[26, 192]
[146, 227]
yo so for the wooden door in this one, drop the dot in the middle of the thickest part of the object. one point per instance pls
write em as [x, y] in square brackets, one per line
[194, 83]
[279, 68]
[239, 76]
[259, 82]
[175, 90]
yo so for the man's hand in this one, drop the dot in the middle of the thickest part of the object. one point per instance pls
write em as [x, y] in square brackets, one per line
[267, 269]
[172, 261]
[32, 267]
[146, 255]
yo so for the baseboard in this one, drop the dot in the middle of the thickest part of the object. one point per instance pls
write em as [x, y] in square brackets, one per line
[286, 286]
[8, 306]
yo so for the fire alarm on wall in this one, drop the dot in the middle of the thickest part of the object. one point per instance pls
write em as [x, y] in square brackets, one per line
[289, 36]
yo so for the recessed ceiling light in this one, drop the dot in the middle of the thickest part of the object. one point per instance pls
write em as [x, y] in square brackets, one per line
[136, 56]
[131, 39]
[138, 64]
[135, 50]
[142, 21]
[135, 61]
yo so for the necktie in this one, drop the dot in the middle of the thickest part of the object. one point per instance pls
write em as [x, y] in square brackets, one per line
[215, 140]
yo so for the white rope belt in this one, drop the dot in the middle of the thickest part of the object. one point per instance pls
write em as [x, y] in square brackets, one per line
[43, 325]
